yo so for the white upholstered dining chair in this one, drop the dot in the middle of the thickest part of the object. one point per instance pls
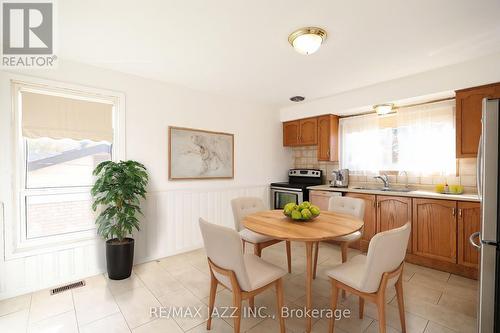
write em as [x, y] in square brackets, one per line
[246, 275]
[343, 205]
[244, 206]
[368, 276]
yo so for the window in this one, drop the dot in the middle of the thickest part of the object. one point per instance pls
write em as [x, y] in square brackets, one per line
[420, 140]
[62, 135]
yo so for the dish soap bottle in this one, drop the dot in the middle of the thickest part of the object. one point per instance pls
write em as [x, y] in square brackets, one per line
[446, 188]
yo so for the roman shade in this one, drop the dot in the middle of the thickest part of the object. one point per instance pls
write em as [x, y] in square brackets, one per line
[60, 117]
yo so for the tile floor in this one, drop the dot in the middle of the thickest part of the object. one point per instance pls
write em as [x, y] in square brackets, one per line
[435, 301]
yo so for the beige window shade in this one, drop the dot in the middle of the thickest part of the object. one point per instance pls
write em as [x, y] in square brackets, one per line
[59, 117]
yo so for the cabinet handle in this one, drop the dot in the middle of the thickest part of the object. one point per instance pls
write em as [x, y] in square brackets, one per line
[460, 212]
[378, 204]
[453, 211]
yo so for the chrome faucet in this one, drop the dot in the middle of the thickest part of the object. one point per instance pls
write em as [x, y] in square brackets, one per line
[385, 179]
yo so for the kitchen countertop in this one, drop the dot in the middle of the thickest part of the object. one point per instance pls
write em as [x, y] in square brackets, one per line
[414, 194]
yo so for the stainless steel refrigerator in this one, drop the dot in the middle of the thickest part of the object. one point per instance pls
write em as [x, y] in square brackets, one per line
[488, 239]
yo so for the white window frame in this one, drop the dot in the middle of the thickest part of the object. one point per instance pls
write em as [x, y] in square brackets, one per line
[16, 243]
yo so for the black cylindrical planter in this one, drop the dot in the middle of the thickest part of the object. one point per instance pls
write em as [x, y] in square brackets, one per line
[119, 258]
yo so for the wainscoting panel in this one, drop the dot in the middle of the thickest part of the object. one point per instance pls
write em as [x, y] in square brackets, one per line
[169, 226]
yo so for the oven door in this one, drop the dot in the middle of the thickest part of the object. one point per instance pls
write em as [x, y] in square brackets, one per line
[281, 196]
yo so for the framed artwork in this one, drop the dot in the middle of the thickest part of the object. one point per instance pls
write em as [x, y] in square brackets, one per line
[200, 154]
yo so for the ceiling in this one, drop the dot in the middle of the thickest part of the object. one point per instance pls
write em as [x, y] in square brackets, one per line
[240, 48]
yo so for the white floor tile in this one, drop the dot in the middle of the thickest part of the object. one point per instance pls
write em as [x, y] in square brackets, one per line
[111, 324]
[62, 323]
[45, 305]
[94, 304]
[136, 305]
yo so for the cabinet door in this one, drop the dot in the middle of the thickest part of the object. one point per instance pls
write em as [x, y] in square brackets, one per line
[435, 229]
[291, 133]
[308, 133]
[320, 199]
[393, 212]
[370, 219]
[469, 221]
[468, 117]
[328, 129]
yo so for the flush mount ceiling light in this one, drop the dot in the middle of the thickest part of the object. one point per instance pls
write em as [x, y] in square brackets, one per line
[382, 109]
[297, 98]
[307, 40]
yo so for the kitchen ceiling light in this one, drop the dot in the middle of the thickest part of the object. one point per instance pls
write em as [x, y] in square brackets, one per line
[382, 109]
[297, 98]
[307, 40]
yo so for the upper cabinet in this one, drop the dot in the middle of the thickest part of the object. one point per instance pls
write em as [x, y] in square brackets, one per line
[468, 117]
[328, 130]
[291, 130]
[321, 131]
[308, 135]
[301, 132]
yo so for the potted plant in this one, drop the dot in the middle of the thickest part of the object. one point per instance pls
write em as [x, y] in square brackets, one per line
[117, 192]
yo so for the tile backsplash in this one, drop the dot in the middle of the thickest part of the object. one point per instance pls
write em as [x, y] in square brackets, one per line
[307, 157]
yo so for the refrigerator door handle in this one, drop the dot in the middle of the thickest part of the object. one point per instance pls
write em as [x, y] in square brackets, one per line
[472, 242]
[479, 167]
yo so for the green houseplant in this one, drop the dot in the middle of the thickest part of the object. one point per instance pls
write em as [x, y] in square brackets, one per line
[116, 193]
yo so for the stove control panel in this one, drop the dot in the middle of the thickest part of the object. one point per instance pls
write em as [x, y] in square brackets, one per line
[313, 173]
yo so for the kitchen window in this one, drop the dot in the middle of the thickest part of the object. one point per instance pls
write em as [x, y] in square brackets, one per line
[419, 140]
[62, 134]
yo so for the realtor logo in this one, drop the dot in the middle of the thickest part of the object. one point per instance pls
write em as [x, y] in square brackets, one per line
[28, 34]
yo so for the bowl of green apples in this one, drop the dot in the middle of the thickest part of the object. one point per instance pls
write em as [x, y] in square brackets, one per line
[303, 212]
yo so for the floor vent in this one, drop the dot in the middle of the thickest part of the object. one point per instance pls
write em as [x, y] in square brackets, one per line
[74, 285]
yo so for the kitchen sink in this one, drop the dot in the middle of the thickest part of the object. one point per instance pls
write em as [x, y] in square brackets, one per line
[390, 189]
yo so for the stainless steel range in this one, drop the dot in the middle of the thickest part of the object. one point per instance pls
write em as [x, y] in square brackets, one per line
[295, 190]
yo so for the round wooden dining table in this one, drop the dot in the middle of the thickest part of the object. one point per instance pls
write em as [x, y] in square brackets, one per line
[326, 226]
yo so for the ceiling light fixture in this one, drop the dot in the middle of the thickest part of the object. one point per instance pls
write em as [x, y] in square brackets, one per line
[307, 40]
[382, 109]
[297, 98]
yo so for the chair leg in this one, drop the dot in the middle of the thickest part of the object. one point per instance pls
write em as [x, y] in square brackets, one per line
[343, 250]
[257, 250]
[237, 312]
[289, 256]
[244, 243]
[381, 312]
[401, 304]
[361, 307]
[333, 305]
[211, 301]
[279, 300]
[316, 251]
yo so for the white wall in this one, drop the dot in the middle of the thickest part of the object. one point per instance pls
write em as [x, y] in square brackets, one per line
[433, 84]
[172, 208]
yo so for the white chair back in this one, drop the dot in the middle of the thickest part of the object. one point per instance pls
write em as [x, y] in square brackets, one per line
[224, 249]
[245, 206]
[386, 252]
[347, 205]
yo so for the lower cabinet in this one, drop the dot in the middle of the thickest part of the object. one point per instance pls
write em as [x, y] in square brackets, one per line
[469, 222]
[393, 212]
[370, 220]
[435, 229]
[321, 198]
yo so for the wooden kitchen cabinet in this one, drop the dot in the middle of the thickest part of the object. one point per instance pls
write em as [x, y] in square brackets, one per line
[303, 132]
[393, 212]
[308, 131]
[321, 198]
[370, 219]
[469, 222]
[291, 133]
[328, 132]
[435, 229]
[468, 117]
